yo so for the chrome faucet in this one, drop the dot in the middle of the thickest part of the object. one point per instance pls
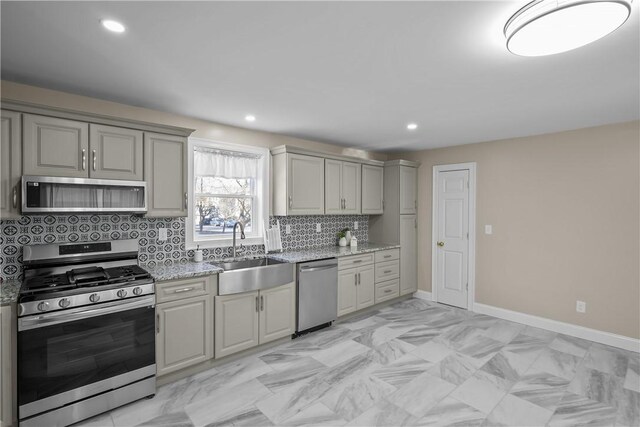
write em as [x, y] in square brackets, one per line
[241, 249]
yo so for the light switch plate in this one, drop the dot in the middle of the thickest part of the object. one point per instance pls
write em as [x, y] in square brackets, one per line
[355, 225]
[162, 234]
[488, 229]
[581, 306]
[287, 228]
[318, 228]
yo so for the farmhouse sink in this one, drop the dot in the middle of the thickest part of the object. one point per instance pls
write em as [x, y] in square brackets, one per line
[252, 275]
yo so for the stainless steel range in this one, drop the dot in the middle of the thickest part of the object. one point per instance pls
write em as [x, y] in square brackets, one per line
[86, 331]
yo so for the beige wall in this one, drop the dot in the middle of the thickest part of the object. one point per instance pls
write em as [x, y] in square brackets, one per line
[565, 214]
[203, 129]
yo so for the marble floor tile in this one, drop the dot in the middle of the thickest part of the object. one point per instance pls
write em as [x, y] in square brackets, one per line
[542, 389]
[352, 398]
[542, 334]
[349, 369]
[176, 419]
[512, 411]
[507, 365]
[390, 351]
[480, 393]
[250, 418]
[384, 414]
[572, 345]
[315, 415]
[628, 409]
[632, 379]
[526, 346]
[297, 370]
[455, 368]
[103, 420]
[504, 331]
[480, 348]
[340, 352]
[402, 370]
[375, 337]
[283, 405]
[433, 351]
[421, 394]
[420, 335]
[576, 410]
[452, 412]
[607, 359]
[597, 385]
[363, 322]
[557, 363]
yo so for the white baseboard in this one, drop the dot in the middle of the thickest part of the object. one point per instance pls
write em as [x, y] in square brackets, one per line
[422, 295]
[614, 340]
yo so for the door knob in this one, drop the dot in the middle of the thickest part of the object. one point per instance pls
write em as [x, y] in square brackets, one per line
[440, 244]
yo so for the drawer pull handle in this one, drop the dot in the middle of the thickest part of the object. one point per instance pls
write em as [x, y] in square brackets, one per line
[388, 256]
[357, 261]
[387, 271]
[388, 291]
[179, 291]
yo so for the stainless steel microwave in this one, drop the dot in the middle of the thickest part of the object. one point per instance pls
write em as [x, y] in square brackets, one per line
[45, 194]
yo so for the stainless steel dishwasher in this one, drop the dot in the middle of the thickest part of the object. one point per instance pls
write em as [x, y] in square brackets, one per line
[317, 294]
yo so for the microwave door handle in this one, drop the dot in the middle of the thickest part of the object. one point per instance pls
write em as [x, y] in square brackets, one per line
[54, 318]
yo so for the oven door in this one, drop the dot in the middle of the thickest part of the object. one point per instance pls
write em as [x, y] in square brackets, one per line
[70, 355]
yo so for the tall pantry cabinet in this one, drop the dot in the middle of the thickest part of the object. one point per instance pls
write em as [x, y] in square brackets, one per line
[399, 222]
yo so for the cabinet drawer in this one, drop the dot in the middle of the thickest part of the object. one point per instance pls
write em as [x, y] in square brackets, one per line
[388, 255]
[387, 290]
[387, 270]
[181, 289]
[355, 261]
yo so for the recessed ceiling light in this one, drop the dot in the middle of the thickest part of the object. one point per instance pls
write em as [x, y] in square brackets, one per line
[546, 27]
[250, 118]
[114, 26]
[412, 126]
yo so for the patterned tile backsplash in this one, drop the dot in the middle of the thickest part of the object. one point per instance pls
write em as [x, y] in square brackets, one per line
[43, 229]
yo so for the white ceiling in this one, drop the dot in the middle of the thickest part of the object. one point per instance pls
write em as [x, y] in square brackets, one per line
[353, 73]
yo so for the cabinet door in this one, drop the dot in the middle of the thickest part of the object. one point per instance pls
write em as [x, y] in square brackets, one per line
[347, 291]
[305, 185]
[237, 323]
[351, 188]
[10, 164]
[408, 188]
[184, 333]
[165, 170]
[277, 312]
[332, 187]
[55, 147]
[408, 254]
[366, 289]
[372, 189]
[116, 153]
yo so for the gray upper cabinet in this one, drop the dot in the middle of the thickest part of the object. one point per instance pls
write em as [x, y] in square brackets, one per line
[298, 184]
[55, 147]
[408, 190]
[165, 170]
[116, 153]
[372, 190]
[10, 164]
[342, 187]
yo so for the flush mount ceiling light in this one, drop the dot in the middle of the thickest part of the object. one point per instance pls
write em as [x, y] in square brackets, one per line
[546, 27]
[412, 126]
[112, 25]
[250, 118]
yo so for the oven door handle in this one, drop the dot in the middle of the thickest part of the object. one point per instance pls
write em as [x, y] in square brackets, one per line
[64, 316]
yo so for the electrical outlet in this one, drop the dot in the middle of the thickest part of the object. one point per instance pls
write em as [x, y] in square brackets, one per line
[581, 306]
[488, 229]
[355, 225]
[287, 228]
[318, 228]
[162, 234]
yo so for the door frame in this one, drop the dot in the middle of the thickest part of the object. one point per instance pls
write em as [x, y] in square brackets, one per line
[471, 167]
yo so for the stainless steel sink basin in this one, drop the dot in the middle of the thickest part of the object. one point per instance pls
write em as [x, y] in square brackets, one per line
[252, 275]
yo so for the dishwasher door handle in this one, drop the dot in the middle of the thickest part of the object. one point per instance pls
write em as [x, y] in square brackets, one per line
[312, 269]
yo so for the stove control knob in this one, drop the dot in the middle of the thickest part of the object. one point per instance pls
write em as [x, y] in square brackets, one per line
[137, 290]
[64, 303]
[43, 306]
[122, 293]
[94, 298]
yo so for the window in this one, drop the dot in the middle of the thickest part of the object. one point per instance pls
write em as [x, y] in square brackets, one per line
[227, 185]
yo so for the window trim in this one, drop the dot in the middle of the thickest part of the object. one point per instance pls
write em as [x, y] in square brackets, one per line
[261, 195]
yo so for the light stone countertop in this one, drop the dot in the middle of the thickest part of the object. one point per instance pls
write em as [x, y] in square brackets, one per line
[182, 270]
[9, 291]
[313, 254]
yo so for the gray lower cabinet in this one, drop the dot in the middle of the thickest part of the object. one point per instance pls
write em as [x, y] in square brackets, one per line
[165, 170]
[408, 254]
[116, 153]
[356, 289]
[55, 147]
[248, 319]
[10, 164]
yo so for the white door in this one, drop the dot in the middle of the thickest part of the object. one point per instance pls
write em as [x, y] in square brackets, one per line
[452, 237]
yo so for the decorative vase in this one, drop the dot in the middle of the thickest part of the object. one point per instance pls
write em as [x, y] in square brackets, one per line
[342, 241]
[348, 236]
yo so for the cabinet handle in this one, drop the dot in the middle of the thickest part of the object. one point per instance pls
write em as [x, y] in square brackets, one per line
[84, 159]
[179, 291]
[261, 302]
[290, 202]
[388, 256]
[355, 279]
[387, 271]
[359, 281]
[15, 197]
[388, 291]
[158, 323]
[186, 200]
[93, 159]
[257, 305]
